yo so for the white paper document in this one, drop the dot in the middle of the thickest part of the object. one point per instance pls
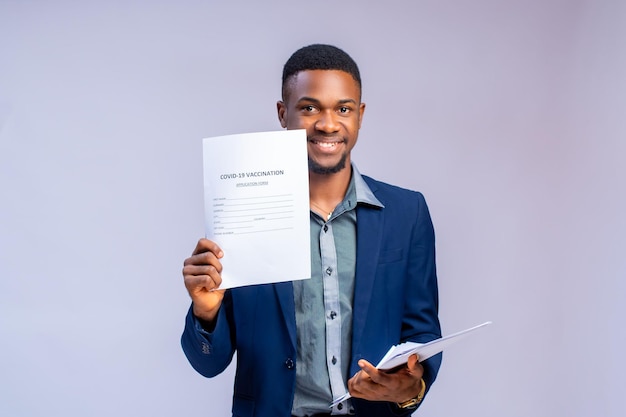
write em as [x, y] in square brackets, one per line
[398, 355]
[256, 195]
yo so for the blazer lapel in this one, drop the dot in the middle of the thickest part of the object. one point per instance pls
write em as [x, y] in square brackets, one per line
[369, 232]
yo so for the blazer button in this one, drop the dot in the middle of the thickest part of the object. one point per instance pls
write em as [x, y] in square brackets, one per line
[289, 363]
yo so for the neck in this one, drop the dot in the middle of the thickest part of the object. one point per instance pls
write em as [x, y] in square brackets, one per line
[328, 190]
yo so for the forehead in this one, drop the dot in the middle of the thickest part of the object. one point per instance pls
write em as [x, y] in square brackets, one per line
[322, 85]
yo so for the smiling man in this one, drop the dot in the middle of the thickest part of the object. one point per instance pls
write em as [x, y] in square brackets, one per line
[302, 344]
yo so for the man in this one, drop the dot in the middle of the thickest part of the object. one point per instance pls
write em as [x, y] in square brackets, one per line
[302, 344]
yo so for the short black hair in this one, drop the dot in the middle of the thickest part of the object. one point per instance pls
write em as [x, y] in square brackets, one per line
[320, 57]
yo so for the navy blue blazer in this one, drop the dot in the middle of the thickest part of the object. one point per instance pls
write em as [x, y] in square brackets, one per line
[395, 300]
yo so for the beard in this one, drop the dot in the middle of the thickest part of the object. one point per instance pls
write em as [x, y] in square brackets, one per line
[316, 168]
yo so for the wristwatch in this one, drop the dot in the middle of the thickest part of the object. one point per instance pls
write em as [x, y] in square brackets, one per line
[414, 402]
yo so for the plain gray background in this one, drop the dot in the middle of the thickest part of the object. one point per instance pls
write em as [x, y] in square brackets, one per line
[510, 116]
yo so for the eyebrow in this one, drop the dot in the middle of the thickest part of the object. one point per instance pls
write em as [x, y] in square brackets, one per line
[316, 101]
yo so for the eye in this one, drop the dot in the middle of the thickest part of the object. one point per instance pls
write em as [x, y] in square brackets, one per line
[344, 110]
[309, 108]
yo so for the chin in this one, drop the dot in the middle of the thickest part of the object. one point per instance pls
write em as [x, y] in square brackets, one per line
[317, 168]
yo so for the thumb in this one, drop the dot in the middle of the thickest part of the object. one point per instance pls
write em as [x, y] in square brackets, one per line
[413, 362]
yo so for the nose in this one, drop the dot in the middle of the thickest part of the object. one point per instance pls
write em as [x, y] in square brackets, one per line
[327, 122]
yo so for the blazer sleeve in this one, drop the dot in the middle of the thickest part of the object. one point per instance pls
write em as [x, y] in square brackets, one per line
[209, 353]
[421, 319]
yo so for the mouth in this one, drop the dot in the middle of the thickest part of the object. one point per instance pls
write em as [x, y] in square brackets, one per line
[327, 144]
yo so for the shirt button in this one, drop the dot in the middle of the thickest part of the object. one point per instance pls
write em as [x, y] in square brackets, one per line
[339, 406]
[289, 363]
[333, 315]
[325, 228]
[329, 270]
[334, 360]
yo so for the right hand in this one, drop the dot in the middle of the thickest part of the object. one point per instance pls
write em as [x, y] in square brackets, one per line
[202, 272]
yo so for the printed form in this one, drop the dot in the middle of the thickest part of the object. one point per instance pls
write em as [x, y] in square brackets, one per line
[256, 195]
[398, 355]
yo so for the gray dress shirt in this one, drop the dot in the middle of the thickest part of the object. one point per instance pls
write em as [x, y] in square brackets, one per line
[324, 306]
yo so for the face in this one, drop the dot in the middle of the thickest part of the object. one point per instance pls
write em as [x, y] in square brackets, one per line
[327, 103]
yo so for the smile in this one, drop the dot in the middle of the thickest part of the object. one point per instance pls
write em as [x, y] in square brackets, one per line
[325, 144]
[328, 145]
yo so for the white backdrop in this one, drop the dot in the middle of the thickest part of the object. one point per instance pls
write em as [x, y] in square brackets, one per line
[510, 116]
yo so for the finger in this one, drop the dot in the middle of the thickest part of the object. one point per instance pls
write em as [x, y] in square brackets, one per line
[201, 276]
[372, 372]
[206, 245]
[201, 283]
[199, 270]
[205, 267]
[367, 367]
[414, 366]
[204, 258]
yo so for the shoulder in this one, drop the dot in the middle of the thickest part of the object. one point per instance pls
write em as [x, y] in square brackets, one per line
[390, 194]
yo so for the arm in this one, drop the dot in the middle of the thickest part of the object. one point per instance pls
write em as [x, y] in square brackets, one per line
[206, 339]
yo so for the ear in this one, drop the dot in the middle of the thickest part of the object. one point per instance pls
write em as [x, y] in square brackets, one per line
[361, 111]
[282, 113]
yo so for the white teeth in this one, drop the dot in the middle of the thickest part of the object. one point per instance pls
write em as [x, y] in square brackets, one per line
[327, 144]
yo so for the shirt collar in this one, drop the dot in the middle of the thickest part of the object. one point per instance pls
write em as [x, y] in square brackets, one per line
[363, 192]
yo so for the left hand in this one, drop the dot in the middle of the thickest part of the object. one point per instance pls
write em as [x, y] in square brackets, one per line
[375, 385]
